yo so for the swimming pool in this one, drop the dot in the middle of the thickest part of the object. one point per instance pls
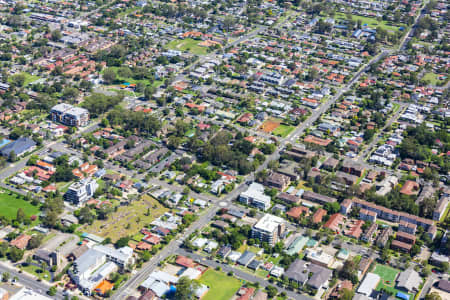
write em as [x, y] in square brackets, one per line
[4, 142]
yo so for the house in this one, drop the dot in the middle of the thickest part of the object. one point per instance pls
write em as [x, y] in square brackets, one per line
[319, 257]
[224, 251]
[313, 275]
[255, 196]
[352, 168]
[369, 283]
[318, 215]
[363, 266]
[18, 147]
[185, 262]
[410, 188]
[444, 285]
[297, 211]
[21, 242]
[334, 222]
[297, 245]
[277, 180]
[269, 229]
[409, 280]
[246, 258]
[355, 230]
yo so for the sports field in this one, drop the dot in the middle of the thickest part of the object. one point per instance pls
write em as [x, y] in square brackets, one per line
[221, 286]
[11, 202]
[388, 276]
[190, 45]
[372, 22]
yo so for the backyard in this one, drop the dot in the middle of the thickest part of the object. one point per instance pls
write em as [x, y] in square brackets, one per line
[221, 286]
[190, 45]
[128, 220]
[388, 276]
[11, 202]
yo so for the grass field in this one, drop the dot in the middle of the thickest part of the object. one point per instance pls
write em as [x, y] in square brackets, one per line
[28, 78]
[127, 220]
[190, 45]
[372, 22]
[431, 77]
[283, 130]
[11, 202]
[387, 281]
[221, 286]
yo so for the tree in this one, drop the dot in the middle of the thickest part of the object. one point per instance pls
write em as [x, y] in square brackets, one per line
[109, 76]
[20, 216]
[15, 254]
[18, 80]
[35, 241]
[70, 93]
[186, 288]
[52, 291]
[86, 215]
[12, 157]
[56, 35]
[346, 294]
[6, 276]
[271, 291]
[122, 242]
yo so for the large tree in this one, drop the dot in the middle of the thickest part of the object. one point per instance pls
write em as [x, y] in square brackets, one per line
[186, 288]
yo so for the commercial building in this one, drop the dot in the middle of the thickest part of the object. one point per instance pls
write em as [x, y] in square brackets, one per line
[96, 264]
[255, 196]
[19, 147]
[70, 115]
[269, 229]
[369, 283]
[80, 192]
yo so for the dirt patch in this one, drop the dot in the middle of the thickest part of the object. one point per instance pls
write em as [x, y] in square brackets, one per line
[269, 126]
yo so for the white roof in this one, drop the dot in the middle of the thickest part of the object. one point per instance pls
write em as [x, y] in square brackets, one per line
[28, 294]
[199, 242]
[269, 223]
[369, 283]
[191, 273]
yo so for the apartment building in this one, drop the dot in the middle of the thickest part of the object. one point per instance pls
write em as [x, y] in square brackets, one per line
[255, 196]
[269, 229]
[70, 115]
[80, 192]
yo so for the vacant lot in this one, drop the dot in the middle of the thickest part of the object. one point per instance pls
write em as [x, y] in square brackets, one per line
[190, 45]
[127, 220]
[221, 286]
[270, 125]
[283, 130]
[11, 202]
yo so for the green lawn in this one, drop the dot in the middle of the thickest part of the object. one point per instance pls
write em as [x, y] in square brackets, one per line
[28, 78]
[221, 286]
[190, 45]
[11, 202]
[372, 22]
[387, 281]
[37, 271]
[282, 130]
[431, 77]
